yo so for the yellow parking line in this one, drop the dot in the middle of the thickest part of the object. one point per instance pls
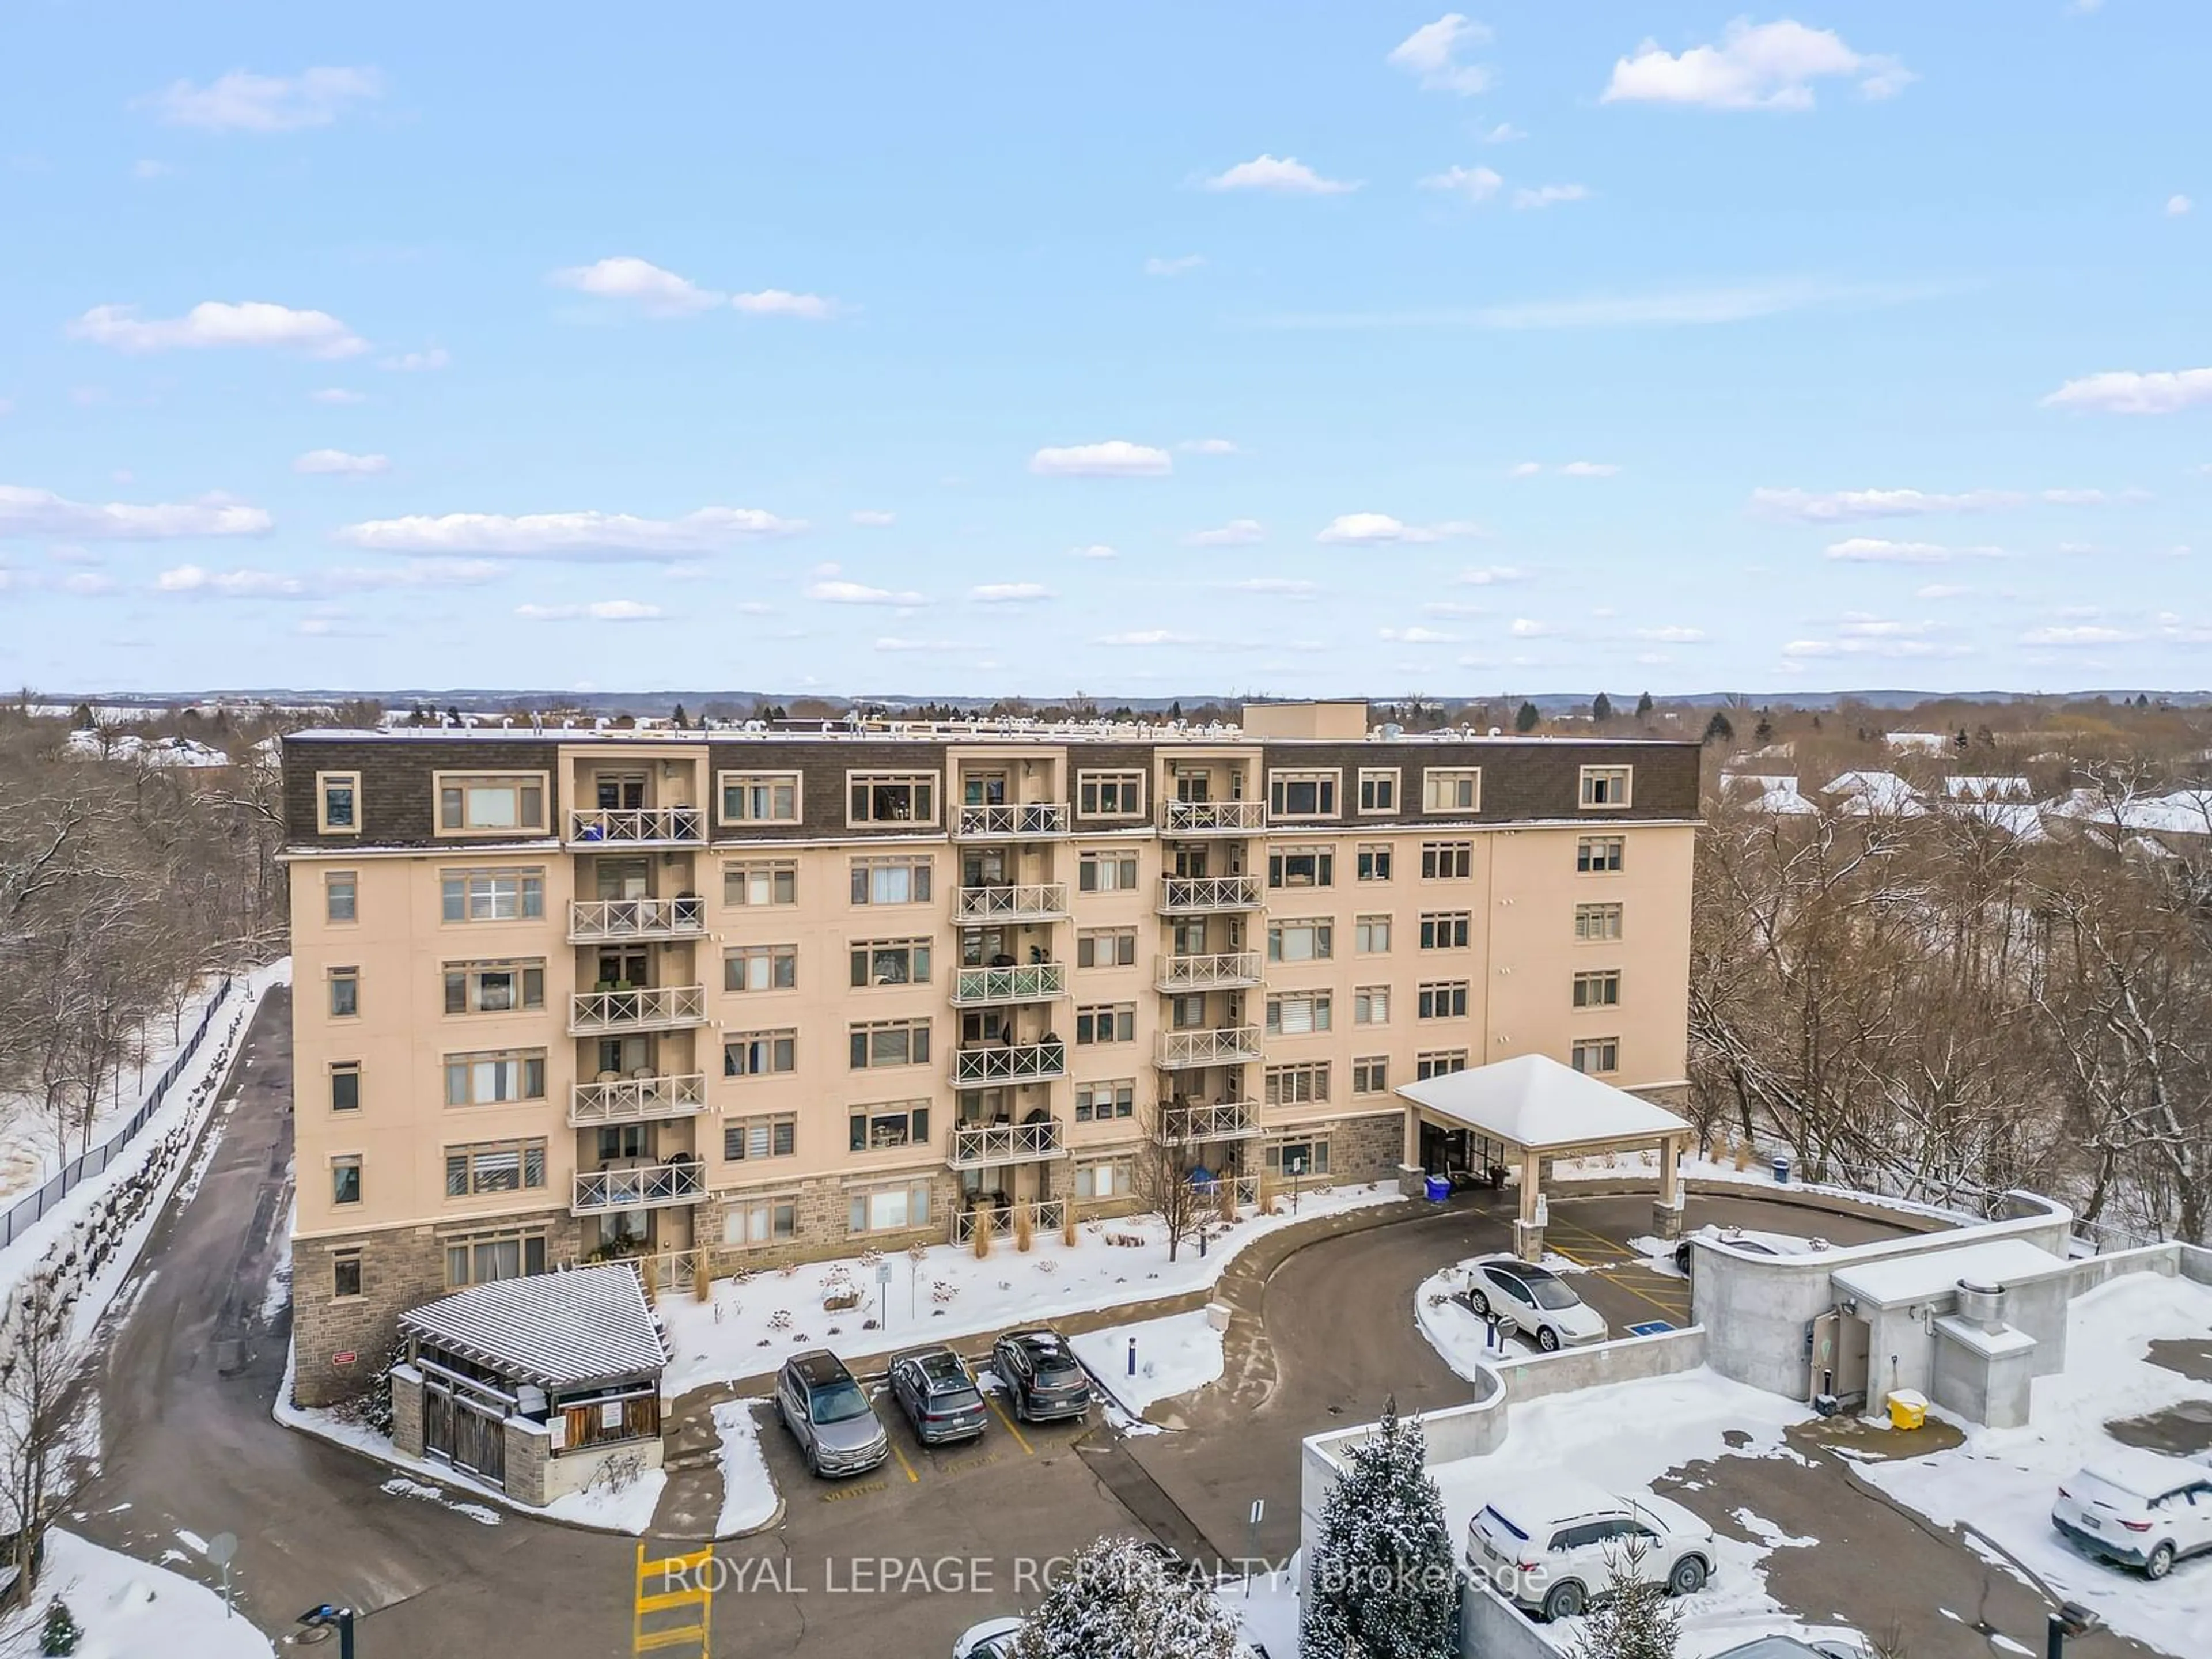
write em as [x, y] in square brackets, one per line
[1027, 1449]
[903, 1464]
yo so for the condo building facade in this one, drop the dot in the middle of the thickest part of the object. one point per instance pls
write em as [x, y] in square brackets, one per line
[770, 994]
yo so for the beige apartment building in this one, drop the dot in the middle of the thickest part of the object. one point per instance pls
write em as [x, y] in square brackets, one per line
[569, 995]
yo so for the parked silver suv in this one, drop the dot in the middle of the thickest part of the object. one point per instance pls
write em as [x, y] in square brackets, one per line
[829, 1414]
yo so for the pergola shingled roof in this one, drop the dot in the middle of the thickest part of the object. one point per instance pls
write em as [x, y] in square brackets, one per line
[1534, 1102]
[576, 1329]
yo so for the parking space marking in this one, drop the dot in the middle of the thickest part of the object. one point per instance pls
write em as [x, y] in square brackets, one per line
[911, 1476]
[1028, 1450]
[1612, 1275]
[860, 1491]
[962, 1465]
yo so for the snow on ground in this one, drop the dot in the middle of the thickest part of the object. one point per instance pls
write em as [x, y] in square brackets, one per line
[1267, 1605]
[1461, 1340]
[2003, 1481]
[1174, 1355]
[279, 1290]
[749, 1498]
[1570, 1172]
[129, 1609]
[749, 1327]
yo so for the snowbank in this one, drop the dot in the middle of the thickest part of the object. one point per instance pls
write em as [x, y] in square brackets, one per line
[1174, 1355]
[1461, 1340]
[129, 1609]
[749, 1498]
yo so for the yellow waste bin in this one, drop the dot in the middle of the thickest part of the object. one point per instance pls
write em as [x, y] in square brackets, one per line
[1908, 1409]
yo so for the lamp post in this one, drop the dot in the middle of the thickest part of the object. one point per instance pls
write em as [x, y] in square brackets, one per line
[327, 1617]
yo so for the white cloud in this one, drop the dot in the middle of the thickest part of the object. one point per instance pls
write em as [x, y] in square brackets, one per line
[1842, 506]
[1452, 608]
[1415, 636]
[596, 610]
[1526, 627]
[582, 536]
[1589, 469]
[1527, 469]
[1475, 183]
[417, 362]
[1116, 458]
[244, 102]
[1503, 133]
[839, 592]
[1942, 591]
[1009, 592]
[1673, 635]
[336, 394]
[1283, 588]
[655, 292]
[2086, 635]
[1357, 528]
[232, 584]
[1755, 66]
[1544, 196]
[1237, 532]
[1433, 54]
[2177, 205]
[2124, 391]
[88, 583]
[781, 303]
[1096, 550]
[1679, 307]
[1179, 265]
[337, 460]
[1859, 625]
[1487, 575]
[1893, 649]
[214, 323]
[892, 643]
[1145, 636]
[41, 512]
[1209, 446]
[1284, 174]
[872, 518]
[1871, 549]
[417, 573]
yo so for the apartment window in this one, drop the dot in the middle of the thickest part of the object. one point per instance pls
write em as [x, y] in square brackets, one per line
[1301, 794]
[1444, 930]
[891, 797]
[891, 881]
[1378, 789]
[748, 1139]
[890, 1043]
[760, 797]
[1597, 1055]
[1446, 999]
[753, 1221]
[1106, 947]
[1298, 1159]
[888, 1209]
[1101, 1103]
[760, 968]
[1371, 936]
[761, 882]
[1439, 1063]
[1106, 1023]
[340, 892]
[345, 1180]
[1298, 1013]
[495, 1079]
[891, 961]
[1597, 922]
[345, 993]
[877, 1129]
[482, 1258]
[345, 1274]
[491, 895]
[1595, 855]
[1371, 1006]
[1105, 1178]
[1296, 1086]
[1605, 786]
[1105, 872]
[481, 805]
[1451, 790]
[1374, 861]
[1299, 941]
[760, 1054]
[494, 988]
[504, 1166]
[1446, 860]
[1302, 867]
[1598, 990]
[1109, 794]
[1371, 1075]
[346, 1085]
[338, 803]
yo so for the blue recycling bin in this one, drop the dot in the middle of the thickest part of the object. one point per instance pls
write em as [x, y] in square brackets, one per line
[1438, 1189]
[1781, 1169]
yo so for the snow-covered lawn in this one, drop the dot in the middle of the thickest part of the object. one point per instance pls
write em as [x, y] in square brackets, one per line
[1267, 1605]
[946, 1293]
[129, 1609]
[1459, 1338]
[748, 1492]
[2002, 1481]
[1174, 1355]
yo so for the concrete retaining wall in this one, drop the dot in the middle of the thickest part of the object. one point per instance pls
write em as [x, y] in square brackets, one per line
[1490, 1628]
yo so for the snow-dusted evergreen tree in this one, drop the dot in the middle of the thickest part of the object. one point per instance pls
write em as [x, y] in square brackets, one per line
[1382, 1585]
[1635, 1619]
[1122, 1600]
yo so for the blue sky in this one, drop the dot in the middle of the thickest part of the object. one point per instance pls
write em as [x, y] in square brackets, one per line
[1290, 348]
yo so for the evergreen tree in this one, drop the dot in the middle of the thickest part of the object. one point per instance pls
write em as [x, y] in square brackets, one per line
[1643, 707]
[1600, 708]
[1635, 1620]
[60, 1633]
[1526, 721]
[1717, 729]
[1764, 732]
[1119, 1600]
[1383, 1586]
[679, 719]
[81, 720]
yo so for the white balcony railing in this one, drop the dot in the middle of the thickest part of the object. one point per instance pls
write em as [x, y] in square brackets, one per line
[1039, 902]
[1019, 1062]
[1226, 970]
[636, 918]
[647, 826]
[637, 1100]
[1019, 822]
[1231, 1045]
[973, 1146]
[1196, 895]
[1047, 1215]
[982, 987]
[1213, 818]
[1191, 1125]
[647, 1008]
[658, 1187]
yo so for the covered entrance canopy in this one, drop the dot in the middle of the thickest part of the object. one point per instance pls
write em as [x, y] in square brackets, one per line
[1533, 1107]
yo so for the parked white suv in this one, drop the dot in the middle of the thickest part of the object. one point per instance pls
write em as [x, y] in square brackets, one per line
[1557, 1548]
[2138, 1508]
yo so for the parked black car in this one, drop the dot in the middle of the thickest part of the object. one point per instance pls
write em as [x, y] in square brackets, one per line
[938, 1396]
[1042, 1375]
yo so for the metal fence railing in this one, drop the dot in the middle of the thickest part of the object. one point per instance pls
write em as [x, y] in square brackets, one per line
[27, 1209]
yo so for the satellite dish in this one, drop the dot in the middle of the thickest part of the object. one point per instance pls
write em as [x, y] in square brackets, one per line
[223, 1549]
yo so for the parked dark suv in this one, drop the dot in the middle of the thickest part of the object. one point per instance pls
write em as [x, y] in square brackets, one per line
[939, 1397]
[1042, 1375]
[829, 1414]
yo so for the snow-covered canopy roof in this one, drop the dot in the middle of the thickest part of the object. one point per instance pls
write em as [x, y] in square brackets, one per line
[576, 1329]
[2184, 812]
[1540, 1106]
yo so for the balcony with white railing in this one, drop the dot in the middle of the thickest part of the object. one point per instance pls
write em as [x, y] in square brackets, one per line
[1045, 1215]
[1185, 896]
[591, 920]
[637, 1100]
[1023, 821]
[1231, 1045]
[639, 826]
[1193, 1125]
[1212, 818]
[1225, 970]
[656, 1187]
[995, 1063]
[1036, 901]
[643, 1008]
[972, 1146]
[989, 987]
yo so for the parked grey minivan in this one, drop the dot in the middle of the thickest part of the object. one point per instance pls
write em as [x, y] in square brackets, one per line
[829, 1414]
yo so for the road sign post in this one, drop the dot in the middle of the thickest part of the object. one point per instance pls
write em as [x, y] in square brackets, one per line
[222, 1550]
[884, 1290]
